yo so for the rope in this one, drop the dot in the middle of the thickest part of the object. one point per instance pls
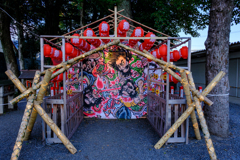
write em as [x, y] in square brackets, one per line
[216, 95]
[19, 23]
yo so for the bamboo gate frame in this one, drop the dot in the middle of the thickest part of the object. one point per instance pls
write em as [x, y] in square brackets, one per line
[34, 100]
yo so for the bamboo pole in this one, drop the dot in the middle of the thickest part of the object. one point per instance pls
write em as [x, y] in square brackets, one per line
[188, 111]
[18, 144]
[213, 83]
[55, 128]
[174, 127]
[46, 118]
[206, 133]
[203, 123]
[40, 96]
[25, 120]
[64, 66]
[166, 66]
[34, 112]
[189, 102]
[15, 81]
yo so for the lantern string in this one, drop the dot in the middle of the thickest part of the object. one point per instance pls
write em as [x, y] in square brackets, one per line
[16, 22]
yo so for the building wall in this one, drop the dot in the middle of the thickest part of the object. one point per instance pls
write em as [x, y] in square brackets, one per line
[198, 72]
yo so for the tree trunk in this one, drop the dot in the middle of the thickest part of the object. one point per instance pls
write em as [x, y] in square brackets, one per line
[217, 59]
[126, 5]
[7, 44]
[81, 14]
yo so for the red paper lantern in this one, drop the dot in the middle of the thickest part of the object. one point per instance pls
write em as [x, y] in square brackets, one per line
[104, 27]
[74, 53]
[119, 32]
[68, 49]
[164, 58]
[138, 32]
[59, 78]
[174, 80]
[141, 47]
[82, 44]
[47, 50]
[163, 50]
[76, 41]
[57, 54]
[104, 35]
[86, 48]
[150, 34]
[123, 25]
[156, 54]
[184, 52]
[176, 55]
[89, 33]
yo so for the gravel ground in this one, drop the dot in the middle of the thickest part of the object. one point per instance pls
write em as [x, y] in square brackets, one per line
[116, 139]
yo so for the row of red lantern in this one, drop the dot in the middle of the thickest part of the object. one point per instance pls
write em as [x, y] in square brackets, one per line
[175, 55]
[54, 53]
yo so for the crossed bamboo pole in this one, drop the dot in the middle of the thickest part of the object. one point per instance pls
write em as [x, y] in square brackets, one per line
[187, 83]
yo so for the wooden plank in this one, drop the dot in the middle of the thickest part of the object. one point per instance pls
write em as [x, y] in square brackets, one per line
[175, 119]
[176, 140]
[62, 118]
[54, 117]
[53, 140]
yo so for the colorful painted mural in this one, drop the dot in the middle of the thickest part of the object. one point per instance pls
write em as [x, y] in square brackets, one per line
[114, 82]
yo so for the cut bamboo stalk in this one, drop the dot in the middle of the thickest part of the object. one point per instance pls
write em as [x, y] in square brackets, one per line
[189, 102]
[18, 144]
[66, 65]
[188, 111]
[213, 83]
[167, 67]
[55, 128]
[202, 120]
[206, 133]
[40, 96]
[15, 81]
[174, 127]
[25, 120]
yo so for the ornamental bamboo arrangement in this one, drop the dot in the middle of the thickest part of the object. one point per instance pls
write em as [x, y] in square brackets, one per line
[34, 100]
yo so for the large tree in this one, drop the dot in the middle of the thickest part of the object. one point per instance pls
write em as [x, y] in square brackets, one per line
[217, 59]
[6, 41]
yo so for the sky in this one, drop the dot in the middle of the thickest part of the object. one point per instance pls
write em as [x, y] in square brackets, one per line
[198, 42]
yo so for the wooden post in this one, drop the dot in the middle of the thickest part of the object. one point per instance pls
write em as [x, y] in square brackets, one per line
[189, 102]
